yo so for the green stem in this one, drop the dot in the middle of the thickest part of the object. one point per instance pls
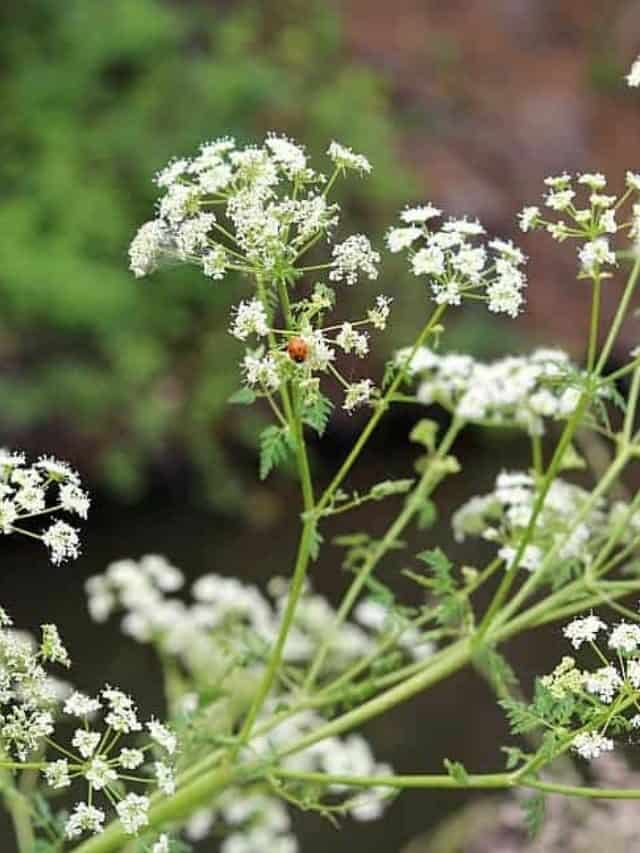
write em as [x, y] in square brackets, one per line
[619, 317]
[511, 570]
[595, 323]
[379, 410]
[473, 781]
[426, 484]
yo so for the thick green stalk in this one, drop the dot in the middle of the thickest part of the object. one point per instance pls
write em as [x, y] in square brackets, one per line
[425, 486]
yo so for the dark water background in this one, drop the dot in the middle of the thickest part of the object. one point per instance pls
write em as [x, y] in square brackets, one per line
[458, 719]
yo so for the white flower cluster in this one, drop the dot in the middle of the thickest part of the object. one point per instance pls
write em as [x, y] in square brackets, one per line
[199, 633]
[43, 488]
[616, 678]
[591, 216]
[516, 391]
[258, 210]
[457, 265]
[309, 351]
[105, 762]
[31, 701]
[502, 516]
[251, 208]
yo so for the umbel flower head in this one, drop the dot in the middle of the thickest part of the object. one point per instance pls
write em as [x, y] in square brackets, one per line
[258, 211]
[458, 263]
[581, 210]
[41, 489]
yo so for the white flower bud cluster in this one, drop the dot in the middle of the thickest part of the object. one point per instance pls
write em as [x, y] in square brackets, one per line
[43, 488]
[516, 391]
[456, 265]
[503, 516]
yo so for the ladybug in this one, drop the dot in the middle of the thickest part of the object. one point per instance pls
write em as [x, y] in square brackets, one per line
[297, 350]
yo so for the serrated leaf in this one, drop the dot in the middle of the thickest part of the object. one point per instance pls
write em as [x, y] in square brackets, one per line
[522, 718]
[315, 541]
[317, 415]
[275, 444]
[457, 771]
[495, 668]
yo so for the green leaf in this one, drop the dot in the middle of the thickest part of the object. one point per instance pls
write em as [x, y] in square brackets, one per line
[534, 811]
[457, 771]
[317, 415]
[425, 432]
[522, 718]
[242, 397]
[515, 756]
[275, 445]
[315, 541]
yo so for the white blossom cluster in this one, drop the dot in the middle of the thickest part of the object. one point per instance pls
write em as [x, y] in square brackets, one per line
[32, 702]
[583, 210]
[199, 632]
[458, 263]
[516, 391]
[229, 620]
[249, 208]
[107, 764]
[39, 489]
[503, 516]
[258, 210]
[615, 677]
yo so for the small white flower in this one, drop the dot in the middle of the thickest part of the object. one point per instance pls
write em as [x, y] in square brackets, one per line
[215, 262]
[633, 672]
[84, 818]
[79, 705]
[633, 181]
[420, 215]
[625, 636]
[148, 247]
[379, 315]
[583, 630]
[73, 499]
[161, 845]
[354, 255]
[591, 744]
[402, 238]
[63, 542]
[164, 775]
[52, 648]
[130, 759]
[162, 736]
[350, 340]
[133, 812]
[596, 253]
[357, 394]
[345, 158]
[86, 742]
[99, 773]
[603, 683]
[250, 318]
[429, 261]
[633, 77]
[56, 774]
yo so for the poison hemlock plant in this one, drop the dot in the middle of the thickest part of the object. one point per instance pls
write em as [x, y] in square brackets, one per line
[266, 690]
